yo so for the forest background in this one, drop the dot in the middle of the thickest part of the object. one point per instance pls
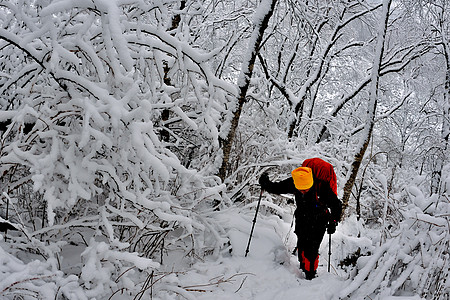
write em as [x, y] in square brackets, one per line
[128, 128]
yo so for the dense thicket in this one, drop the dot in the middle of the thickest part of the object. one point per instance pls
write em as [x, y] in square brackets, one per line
[115, 117]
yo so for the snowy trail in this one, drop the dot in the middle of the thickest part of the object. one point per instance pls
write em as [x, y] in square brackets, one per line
[269, 272]
[250, 278]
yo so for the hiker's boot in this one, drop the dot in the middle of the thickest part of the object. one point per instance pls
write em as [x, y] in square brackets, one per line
[310, 275]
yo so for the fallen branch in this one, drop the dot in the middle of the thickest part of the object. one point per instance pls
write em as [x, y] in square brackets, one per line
[217, 281]
[26, 280]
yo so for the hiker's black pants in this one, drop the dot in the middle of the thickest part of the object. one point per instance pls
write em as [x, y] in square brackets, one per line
[309, 237]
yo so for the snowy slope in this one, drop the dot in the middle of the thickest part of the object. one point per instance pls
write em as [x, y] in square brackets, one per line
[394, 268]
[270, 271]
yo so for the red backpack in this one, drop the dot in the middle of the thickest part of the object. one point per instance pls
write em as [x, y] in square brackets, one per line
[322, 170]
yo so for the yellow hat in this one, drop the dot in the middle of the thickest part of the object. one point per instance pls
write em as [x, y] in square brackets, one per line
[303, 178]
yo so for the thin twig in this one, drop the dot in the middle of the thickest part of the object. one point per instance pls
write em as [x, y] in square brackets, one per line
[242, 283]
[217, 280]
[26, 280]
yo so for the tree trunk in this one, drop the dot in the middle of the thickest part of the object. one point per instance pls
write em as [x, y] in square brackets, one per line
[371, 107]
[261, 19]
[165, 114]
[446, 116]
[437, 173]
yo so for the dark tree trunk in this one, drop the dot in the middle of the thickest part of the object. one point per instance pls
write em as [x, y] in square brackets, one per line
[243, 85]
[371, 107]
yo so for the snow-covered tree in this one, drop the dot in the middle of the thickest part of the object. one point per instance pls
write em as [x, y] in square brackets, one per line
[133, 134]
[85, 146]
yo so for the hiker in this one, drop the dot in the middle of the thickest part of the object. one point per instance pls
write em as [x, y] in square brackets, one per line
[314, 198]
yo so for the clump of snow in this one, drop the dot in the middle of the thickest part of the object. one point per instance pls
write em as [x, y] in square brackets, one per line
[34, 280]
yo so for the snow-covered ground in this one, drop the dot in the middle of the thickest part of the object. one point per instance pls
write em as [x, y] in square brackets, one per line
[269, 271]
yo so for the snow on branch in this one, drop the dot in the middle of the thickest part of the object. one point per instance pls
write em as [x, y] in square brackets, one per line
[99, 85]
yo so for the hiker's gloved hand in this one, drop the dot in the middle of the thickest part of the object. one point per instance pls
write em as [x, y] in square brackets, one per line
[264, 180]
[331, 227]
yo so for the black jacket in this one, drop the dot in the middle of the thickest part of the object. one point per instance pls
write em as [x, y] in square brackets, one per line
[318, 206]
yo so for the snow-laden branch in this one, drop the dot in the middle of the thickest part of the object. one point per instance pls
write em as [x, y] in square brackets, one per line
[29, 51]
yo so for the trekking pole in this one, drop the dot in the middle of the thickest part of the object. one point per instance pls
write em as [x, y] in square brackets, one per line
[254, 222]
[329, 252]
